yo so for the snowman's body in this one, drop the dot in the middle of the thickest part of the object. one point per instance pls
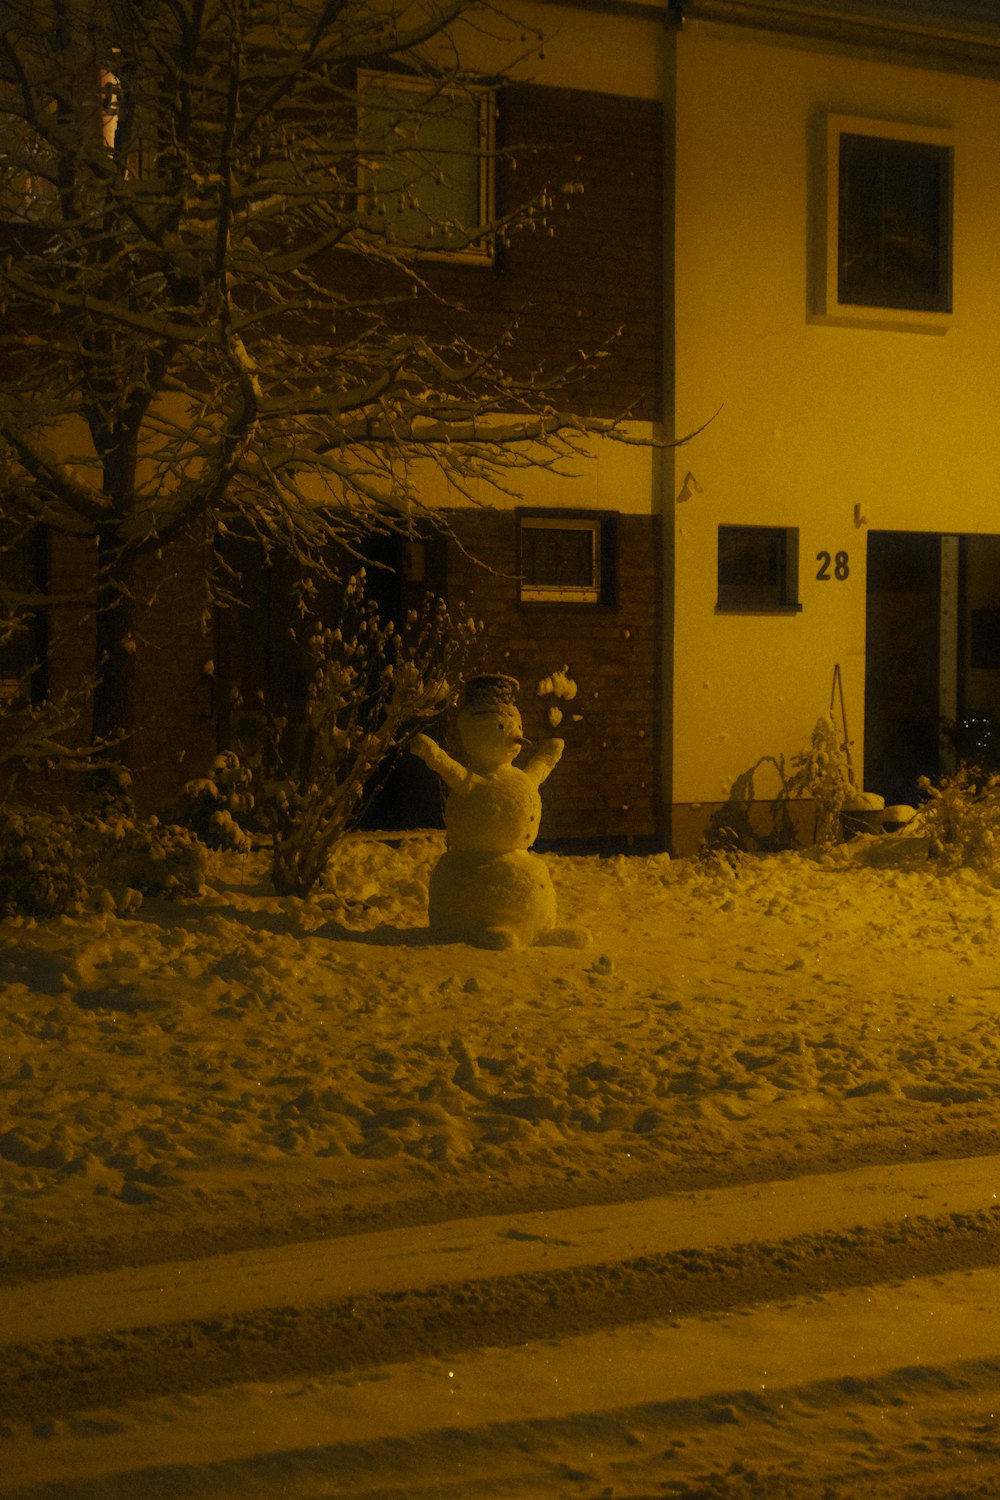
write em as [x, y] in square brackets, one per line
[487, 888]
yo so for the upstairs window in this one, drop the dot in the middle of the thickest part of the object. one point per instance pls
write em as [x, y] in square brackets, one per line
[758, 569]
[566, 558]
[427, 176]
[889, 221]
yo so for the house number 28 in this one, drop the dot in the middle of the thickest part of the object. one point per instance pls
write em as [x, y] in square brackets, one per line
[838, 561]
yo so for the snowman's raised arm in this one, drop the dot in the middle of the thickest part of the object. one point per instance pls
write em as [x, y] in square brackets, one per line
[451, 772]
[544, 761]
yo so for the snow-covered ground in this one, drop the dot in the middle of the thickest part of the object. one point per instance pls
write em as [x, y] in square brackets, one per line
[244, 1071]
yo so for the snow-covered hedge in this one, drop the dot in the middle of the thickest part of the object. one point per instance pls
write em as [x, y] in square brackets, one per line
[54, 862]
[39, 873]
[961, 819]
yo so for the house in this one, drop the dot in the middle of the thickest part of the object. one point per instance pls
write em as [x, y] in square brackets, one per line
[836, 300]
[780, 217]
[563, 571]
[826, 298]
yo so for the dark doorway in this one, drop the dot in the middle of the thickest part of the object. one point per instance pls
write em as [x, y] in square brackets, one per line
[261, 659]
[903, 663]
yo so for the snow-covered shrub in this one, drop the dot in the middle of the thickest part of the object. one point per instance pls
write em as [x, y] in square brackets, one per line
[36, 739]
[54, 862]
[143, 854]
[961, 819]
[824, 774]
[217, 807]
[371, 687]
[821, 775]
[40, 874]
[147, 856]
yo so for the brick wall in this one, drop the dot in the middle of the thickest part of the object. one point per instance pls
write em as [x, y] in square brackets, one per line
[595, 274]
[589, 278]
[591, 274]
[605, 786]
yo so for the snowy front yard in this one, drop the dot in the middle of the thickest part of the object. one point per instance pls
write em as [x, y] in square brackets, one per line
[245, 1070]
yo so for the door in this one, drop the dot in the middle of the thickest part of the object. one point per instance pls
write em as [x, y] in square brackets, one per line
[903, 679]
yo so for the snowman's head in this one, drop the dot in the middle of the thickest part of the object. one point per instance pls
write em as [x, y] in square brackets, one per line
[492, 736]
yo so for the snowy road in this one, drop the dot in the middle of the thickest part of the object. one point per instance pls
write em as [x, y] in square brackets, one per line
[756, 1343]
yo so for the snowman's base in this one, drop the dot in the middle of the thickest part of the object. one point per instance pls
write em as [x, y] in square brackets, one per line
[567, 937]
[495, 901]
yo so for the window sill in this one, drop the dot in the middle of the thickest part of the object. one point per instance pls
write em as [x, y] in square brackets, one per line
[758, 609]
[600, 605]
[362, 243]
[884, 319]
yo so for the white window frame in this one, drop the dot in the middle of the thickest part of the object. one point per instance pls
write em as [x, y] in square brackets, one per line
[481, 249]
[542, 593]
[921, 320]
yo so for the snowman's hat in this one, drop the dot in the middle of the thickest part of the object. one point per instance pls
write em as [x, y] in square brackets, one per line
[488, 692]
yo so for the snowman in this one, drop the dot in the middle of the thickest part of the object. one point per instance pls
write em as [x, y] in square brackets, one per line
[487, 888]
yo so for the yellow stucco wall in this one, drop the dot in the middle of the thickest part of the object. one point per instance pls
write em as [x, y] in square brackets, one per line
[813, 419]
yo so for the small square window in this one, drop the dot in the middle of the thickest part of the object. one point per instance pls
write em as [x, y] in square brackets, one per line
[758, 568]
[427, 177]
[889, 222]
[566, 559]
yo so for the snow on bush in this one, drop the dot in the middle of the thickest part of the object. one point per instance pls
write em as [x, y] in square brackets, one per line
[961, 819]
[821, 774]
[52, 862]
[824, 773]
[219, 806]
[39, 867]
[371, 687]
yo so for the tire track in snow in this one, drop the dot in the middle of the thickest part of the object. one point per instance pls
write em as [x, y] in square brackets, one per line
[846, 1387]
[140, 1364]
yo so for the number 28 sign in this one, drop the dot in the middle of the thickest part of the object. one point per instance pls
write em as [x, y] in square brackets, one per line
[833, 565]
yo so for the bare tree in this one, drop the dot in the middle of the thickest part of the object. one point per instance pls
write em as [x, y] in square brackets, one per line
[214, 279]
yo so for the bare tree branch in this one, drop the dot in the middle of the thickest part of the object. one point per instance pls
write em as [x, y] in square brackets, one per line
[208, 278]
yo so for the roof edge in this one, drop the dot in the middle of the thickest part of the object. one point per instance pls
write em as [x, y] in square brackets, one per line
[883, 28]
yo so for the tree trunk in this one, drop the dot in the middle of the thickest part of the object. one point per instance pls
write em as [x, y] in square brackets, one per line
[114, 695]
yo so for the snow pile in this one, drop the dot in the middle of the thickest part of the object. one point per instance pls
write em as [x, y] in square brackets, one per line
[241, 1067]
